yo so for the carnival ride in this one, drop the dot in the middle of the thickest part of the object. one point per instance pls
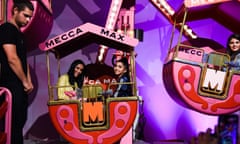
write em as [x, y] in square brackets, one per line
[101, 119]
[97, 117]
[194, 73]
[42, 17]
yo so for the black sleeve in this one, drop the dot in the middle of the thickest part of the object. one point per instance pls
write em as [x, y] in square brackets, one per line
[8, 34]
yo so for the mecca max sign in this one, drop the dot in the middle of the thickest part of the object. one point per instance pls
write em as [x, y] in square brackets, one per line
[84, 29]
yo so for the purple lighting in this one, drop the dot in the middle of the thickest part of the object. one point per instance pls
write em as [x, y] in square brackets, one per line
[165, 118]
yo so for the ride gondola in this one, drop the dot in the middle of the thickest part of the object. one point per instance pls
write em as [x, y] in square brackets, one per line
[195, 73]
[96, 118]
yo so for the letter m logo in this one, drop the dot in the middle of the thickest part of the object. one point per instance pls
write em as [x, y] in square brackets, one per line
[93, 111]
[214, 80]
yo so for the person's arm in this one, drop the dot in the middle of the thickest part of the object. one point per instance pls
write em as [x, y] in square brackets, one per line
[122, 89]
[16, 66]
[29, 76]
[235, 62]
[66, 89]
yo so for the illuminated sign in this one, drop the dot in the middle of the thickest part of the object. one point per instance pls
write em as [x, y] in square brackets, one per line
[91, 30]
[113, 35]
[191, 51]
[66, 36]
[190, 54]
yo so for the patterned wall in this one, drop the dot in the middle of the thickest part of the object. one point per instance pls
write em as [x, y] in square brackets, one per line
[165, 119]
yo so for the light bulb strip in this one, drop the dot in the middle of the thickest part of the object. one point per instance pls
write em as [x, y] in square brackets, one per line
[195, 3]
[110, 24]
[169, 13]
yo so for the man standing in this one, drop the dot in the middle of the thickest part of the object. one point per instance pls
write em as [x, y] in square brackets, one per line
[14, 68]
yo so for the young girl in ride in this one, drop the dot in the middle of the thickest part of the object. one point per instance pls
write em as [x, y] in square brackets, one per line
[71, 81]
[233, 49]
[121, 69]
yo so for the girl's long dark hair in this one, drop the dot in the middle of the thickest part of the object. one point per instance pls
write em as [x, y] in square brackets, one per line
[128, 91]
[70, 73]
[124, 61]
[229, 51]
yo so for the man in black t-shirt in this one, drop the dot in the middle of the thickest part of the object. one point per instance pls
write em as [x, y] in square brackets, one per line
[14, 69]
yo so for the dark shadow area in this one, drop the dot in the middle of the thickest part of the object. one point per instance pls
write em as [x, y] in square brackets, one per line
[42, 129]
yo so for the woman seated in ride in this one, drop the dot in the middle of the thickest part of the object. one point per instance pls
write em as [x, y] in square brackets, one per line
[72, 81]
[233, 49]
[121, 69]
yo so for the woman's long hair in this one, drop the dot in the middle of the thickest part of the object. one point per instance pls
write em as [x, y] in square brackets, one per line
[229, 51]
[80, 78]
[124, 61]
[128, 91]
